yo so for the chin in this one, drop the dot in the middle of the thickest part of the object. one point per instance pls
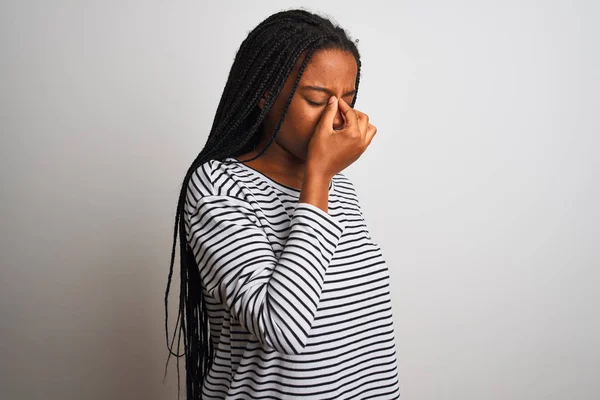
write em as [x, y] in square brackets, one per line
[300, 155]
[303, 155]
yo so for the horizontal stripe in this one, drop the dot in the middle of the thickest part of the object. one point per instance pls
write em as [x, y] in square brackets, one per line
[298, 299]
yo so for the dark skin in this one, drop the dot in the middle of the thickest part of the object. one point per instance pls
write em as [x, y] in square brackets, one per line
[334, 71]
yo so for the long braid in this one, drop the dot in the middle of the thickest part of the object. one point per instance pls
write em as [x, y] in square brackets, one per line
[263, 62]
[280, 78]
[250, 105]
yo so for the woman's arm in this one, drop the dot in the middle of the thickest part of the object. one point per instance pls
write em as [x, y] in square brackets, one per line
[274, 299]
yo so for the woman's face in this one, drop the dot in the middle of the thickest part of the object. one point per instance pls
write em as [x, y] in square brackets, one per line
[329, 72]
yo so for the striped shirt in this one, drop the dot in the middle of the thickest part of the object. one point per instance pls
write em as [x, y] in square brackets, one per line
[298, 299]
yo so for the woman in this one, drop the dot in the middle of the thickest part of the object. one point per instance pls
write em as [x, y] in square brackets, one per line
[283, 292]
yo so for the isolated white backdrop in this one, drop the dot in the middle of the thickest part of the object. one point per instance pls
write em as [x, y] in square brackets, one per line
[481, 186]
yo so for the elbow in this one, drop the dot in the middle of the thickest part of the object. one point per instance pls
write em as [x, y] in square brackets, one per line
[288, 340]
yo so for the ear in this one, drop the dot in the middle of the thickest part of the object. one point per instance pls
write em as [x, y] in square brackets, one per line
[261, 102]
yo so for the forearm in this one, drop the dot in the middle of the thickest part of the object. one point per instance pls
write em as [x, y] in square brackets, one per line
[275, 299]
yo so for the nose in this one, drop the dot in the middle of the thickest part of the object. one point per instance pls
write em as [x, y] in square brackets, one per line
[338, 121]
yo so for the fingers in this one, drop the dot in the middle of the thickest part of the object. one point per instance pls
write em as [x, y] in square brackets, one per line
[363, 122]
[329, 113]
[371, 131]
[349, 114]
[355, 119]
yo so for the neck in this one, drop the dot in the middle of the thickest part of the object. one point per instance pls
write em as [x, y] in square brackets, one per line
[276, 160]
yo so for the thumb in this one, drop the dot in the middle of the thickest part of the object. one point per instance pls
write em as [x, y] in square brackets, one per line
[329, 112]
[349, 114]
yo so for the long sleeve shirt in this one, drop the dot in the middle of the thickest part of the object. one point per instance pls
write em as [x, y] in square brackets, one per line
[298, 298]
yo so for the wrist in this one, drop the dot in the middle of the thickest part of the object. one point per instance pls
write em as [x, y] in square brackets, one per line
[317, 179]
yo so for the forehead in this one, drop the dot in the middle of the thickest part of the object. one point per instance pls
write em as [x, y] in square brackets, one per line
[330, 68]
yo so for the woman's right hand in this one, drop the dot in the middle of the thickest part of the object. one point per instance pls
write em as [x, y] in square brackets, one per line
[330, 151]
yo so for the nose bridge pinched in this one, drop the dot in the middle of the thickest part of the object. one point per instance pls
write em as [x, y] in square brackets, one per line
[338, 120]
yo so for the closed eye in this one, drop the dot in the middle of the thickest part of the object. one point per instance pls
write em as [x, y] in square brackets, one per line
[322, 104]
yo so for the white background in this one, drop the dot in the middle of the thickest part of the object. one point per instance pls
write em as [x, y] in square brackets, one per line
[481, 187]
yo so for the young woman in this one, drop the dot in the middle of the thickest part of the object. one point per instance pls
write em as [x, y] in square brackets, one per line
[284, 294]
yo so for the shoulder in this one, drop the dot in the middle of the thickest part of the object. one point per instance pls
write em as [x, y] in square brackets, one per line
[210, 176]
[201, 181]
[214, 193]
[345, 188]
[214, 178]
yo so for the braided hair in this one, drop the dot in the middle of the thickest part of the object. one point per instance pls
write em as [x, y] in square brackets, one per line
[263, 63]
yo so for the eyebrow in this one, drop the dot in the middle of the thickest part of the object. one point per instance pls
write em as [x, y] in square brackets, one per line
[325, 90]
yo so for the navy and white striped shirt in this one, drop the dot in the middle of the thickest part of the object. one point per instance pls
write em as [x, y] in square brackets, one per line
[298, 299]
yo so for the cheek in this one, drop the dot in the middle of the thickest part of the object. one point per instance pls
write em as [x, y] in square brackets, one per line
[308, 118]
[306, 124]
[296, 132]
[299, 124]
[302, 119]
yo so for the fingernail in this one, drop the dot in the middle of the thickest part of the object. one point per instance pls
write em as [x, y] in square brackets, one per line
[332, 99]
